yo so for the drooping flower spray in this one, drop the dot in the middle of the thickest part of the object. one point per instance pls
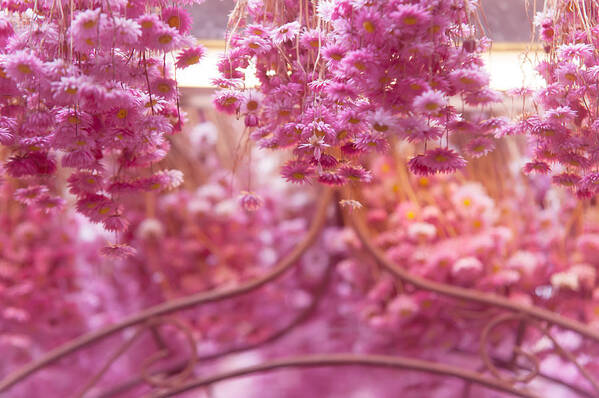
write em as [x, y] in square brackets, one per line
[88, 85]
[340, 78]
[564, 133]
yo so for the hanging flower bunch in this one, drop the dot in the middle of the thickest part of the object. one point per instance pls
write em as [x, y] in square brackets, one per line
[342, 78]
[565, 136]
[88, 85]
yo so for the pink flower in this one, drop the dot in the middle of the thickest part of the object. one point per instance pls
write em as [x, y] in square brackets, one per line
[23, 66]
[479, 147]
[190, 56]
[177, 18]
[537, 167]
[250, 201]
[297, 171]
[331, 178]
[430, 102]
[116, 250]
[286, 32]
[469, 80]
[467, 270]
[439, 160]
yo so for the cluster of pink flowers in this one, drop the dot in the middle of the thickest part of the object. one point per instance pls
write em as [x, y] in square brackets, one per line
[343, 78]
[86, 84]
[519, 240]
[39, 257]
[564, 135]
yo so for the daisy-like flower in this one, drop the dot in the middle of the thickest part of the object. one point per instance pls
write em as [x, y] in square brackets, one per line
[250, 201]
[566, 179]
[311, 39]
[164, 38]
[84, 182]
[469, 80]
[86, 23]
[431, 101]
[115, 223]
[567, 73]
[479, 147]
[418, 166]
[561, 114]
[227, 101]
[164, 87]
[333, 53]
[369, 22]
[383, 121]
[29, 164]
[23, 66]
[575, 50]
[177, 18]
[355, 173]
[409, 16]
[190, 56]
[286, 32]
[50, 204]
[331, 178]
[315, 144]
[297, 171]
[537, 166]
[442, 160]
[372, 141]
[123, 32]
[30, 195]
[118, 250]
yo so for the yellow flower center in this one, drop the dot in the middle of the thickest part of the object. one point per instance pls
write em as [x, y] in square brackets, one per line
[71, 90]
[368, 26]
[298, 176]
[174, 22]
[147, 24]
[24, 68]
[360, 65]
[164, 88]
[122, 113]
[192, 60]
[252, 105]
[380, 127]
[431, 106]
[410, 20]
[89, 24]
[73, 119]
[165, 39]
